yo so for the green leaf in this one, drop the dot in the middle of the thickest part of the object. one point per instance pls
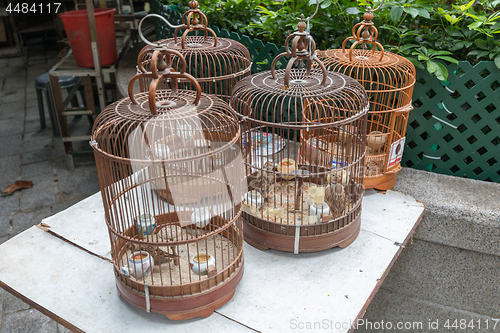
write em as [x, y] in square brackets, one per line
[458, 46]
[325, 4]
[475, 25]
[449, 59]
[407, 47]
[441, 52]
[396, 13]
[424, 13]
[481, 54]
[412, 11]
[352, 10]
[497, 61]
[422, 57]
[432, 67]
[416, 63]
[448, 18]
[441, 73]
[473, 16]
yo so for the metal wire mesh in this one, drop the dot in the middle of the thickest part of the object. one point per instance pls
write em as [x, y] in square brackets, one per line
[170, 171]
[304, 139]
[388, 80]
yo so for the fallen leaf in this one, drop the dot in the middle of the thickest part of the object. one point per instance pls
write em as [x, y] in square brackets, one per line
[19, 185]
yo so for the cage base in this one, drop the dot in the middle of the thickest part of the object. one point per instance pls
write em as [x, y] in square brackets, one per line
[264, 240]
[382, 182]
[185, 307]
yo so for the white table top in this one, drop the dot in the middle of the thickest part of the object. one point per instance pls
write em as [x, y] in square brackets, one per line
[67, 274]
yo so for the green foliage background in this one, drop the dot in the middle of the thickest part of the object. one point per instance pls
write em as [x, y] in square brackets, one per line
[426, 32]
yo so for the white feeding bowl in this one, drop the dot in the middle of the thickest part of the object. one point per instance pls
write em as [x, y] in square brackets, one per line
[200, 263]
[376, 139]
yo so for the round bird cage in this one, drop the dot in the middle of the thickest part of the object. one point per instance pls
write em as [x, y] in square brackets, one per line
[388, 80]
[217, 63]
[182, 257]
[304, 137]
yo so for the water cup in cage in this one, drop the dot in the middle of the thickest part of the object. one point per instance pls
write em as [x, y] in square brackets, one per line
[200, 263]
[140, 263]
[146, 224]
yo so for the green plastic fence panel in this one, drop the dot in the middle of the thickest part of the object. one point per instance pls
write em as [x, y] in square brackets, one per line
[454, 128]
[261, 54]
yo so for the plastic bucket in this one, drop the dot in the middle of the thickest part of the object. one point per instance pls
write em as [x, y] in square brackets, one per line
[77, 29]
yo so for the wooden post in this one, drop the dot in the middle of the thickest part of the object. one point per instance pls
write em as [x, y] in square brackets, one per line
[63, 122]
[95, 53]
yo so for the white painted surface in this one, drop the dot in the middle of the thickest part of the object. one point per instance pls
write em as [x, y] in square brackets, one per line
[84, 225]
[80, 288]
[279, 291]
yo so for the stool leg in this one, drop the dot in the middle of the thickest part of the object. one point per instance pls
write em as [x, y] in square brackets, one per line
[74, 102]
[40, 108]
[53, 116]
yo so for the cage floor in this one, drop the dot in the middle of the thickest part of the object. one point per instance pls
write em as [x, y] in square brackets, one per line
[280, 205]
[167, 273]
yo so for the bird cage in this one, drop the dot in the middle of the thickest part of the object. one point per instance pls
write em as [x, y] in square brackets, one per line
[388, 80]
[217, 63]
[304, 137]
[181, 257]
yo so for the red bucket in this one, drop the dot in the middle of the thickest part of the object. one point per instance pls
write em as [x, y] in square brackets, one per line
[76, 24]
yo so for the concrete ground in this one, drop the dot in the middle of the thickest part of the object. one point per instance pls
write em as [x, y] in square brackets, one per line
[30, 153]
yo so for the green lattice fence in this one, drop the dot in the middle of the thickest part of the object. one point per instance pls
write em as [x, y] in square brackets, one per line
[463, 141]
[455, 131]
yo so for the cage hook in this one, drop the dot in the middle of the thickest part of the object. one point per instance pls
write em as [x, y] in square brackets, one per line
[370, 10]
[139, 28]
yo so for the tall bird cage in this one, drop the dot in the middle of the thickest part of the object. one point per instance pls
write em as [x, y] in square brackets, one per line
[181, 257]
[388, 80]
[217, 63]
[304, 142]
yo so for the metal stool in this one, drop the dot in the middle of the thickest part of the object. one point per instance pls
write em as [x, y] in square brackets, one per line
[43, 83]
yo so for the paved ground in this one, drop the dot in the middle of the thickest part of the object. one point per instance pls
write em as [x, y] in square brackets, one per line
[29, 153]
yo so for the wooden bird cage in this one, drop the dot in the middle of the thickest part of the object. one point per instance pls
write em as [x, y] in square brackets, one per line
[388, 80]
[183, 256]
[304, 137]
[217, 63]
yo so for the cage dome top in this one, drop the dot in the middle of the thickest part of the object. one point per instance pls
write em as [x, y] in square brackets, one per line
[363, 33]
[217, 58]
[146, 121]
[291, 90]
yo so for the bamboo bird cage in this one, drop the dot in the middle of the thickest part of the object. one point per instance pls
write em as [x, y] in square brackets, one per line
[388, 80]
[217, 63]
[181, 257]
[304, 137]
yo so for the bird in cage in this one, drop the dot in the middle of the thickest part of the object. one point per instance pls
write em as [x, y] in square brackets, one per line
[159, 256]
[267, 178]
[335, 197]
